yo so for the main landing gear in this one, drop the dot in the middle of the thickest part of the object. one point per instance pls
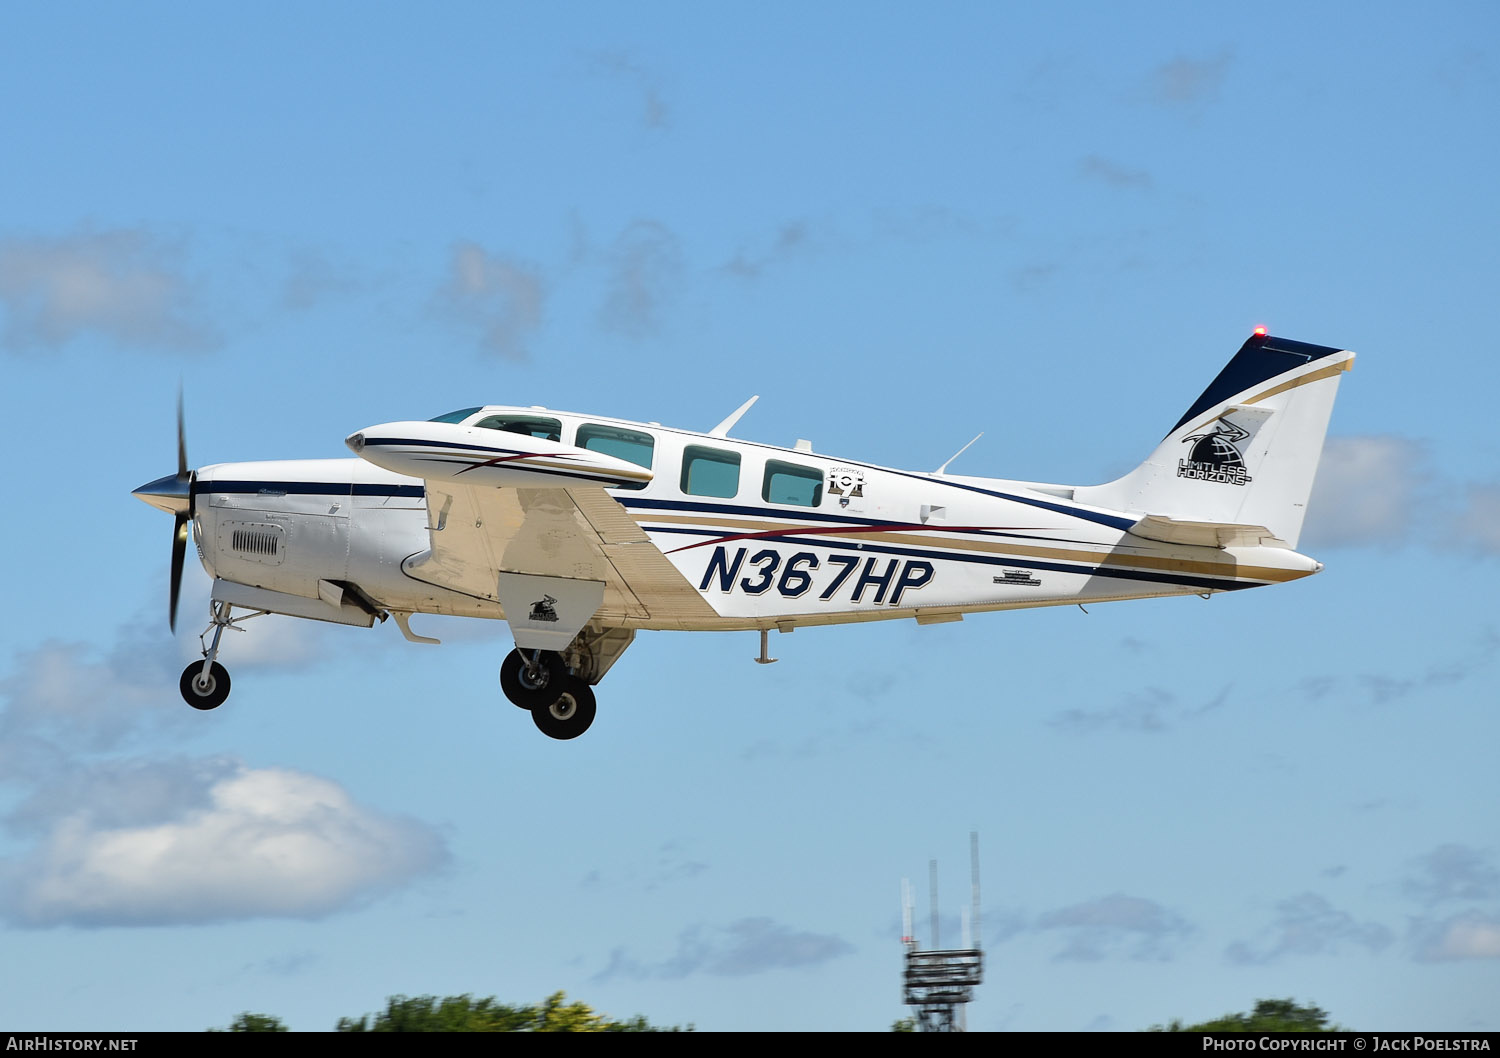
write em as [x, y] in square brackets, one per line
[205, 684]
[561, 704]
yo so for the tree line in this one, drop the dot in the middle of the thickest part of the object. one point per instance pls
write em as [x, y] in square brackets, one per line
[555, 1014]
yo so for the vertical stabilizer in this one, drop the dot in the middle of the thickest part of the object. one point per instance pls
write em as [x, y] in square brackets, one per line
[1246, 452]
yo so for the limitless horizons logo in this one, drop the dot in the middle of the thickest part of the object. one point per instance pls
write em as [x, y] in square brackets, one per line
[1216, 456]
[544, 609]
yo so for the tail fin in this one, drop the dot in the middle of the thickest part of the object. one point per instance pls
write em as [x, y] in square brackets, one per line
[1244, 455]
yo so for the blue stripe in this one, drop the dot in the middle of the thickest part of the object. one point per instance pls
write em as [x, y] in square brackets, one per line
[810, 515]
[306, 488]
[1113, 521]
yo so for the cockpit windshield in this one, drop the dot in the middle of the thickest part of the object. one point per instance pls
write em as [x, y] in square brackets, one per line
[530, 425]
[457, 416]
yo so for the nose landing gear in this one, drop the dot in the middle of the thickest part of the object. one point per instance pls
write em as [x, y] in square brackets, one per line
[205, 684]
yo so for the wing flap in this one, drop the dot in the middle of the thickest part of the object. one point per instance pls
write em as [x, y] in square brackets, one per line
[477, 533]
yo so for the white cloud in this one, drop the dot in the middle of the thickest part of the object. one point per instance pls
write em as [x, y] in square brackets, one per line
[71, 694]
[1382, 490]
[671, 862]
[1471, 935]
[1095, 929]
[112, 841]
[1366, 491]
[748, 946]
[63, 698]
[1453, 872]
[232, 842]
[1309, 925]
[1151, 710]
[645, 263]
[1478, 523]
[655, 113]
[123, 284]
[1183, 80]
[1383, 688]
[791, 238]
[313, 279]
[116, 793]
[501, 299]
[1096, 167]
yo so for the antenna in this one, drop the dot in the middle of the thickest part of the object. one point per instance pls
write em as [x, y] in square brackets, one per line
[722, 430]
[937, 941]
[939, 983]
[974, 886]
[944, 468]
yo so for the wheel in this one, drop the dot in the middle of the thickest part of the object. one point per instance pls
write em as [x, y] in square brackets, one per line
[527, 691]
[570, 714]
[203, 693]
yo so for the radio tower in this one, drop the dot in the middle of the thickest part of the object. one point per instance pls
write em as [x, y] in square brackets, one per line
[939, 982]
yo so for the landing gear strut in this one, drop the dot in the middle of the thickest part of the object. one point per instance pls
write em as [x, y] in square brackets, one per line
[561, 705]
[532, 678]
[205, 684]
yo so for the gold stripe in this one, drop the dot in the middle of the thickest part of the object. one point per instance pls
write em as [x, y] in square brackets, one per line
[1151, 562]
[1293, 383]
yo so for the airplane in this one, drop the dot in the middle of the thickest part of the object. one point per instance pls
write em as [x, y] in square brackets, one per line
[580, 530]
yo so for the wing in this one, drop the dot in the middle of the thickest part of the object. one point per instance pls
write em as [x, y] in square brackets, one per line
[579, 533]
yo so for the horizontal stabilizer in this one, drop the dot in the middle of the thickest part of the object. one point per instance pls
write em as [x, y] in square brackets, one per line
[1204, 534]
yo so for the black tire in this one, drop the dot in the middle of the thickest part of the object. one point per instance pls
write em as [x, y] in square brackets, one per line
[209, 694]
[526, 691]
[570, 714]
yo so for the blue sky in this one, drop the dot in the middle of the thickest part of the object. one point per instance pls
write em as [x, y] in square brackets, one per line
[901, 225]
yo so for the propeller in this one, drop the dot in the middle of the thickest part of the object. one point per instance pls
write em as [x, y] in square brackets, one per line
[183, 517]
[174, 494]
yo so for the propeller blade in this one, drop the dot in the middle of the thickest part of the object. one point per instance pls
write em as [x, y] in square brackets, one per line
[182, 466]
[179, 553]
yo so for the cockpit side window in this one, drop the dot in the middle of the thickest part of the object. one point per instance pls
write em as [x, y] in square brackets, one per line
[792, 484]
[530, 425]
[457, 416]
[629, 445]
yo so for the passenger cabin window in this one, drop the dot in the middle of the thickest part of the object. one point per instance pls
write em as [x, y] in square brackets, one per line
[456, 416]
[710, 472]
[530, 425]
[793, 484]
[629, 445]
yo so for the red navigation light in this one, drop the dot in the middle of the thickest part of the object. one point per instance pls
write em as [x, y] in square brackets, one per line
[1260, 332]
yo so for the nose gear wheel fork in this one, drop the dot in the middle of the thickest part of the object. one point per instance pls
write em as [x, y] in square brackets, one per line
[205, 684]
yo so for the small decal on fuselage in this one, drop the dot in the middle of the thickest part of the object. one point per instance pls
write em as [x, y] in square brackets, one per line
[852, 577]
[847, 483]
[1021, 578]
[1215, 456]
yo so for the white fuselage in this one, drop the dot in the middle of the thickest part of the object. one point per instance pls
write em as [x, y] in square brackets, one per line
[769, 537]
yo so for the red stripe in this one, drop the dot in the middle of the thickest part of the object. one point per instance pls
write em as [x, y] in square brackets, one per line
[824, 530]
